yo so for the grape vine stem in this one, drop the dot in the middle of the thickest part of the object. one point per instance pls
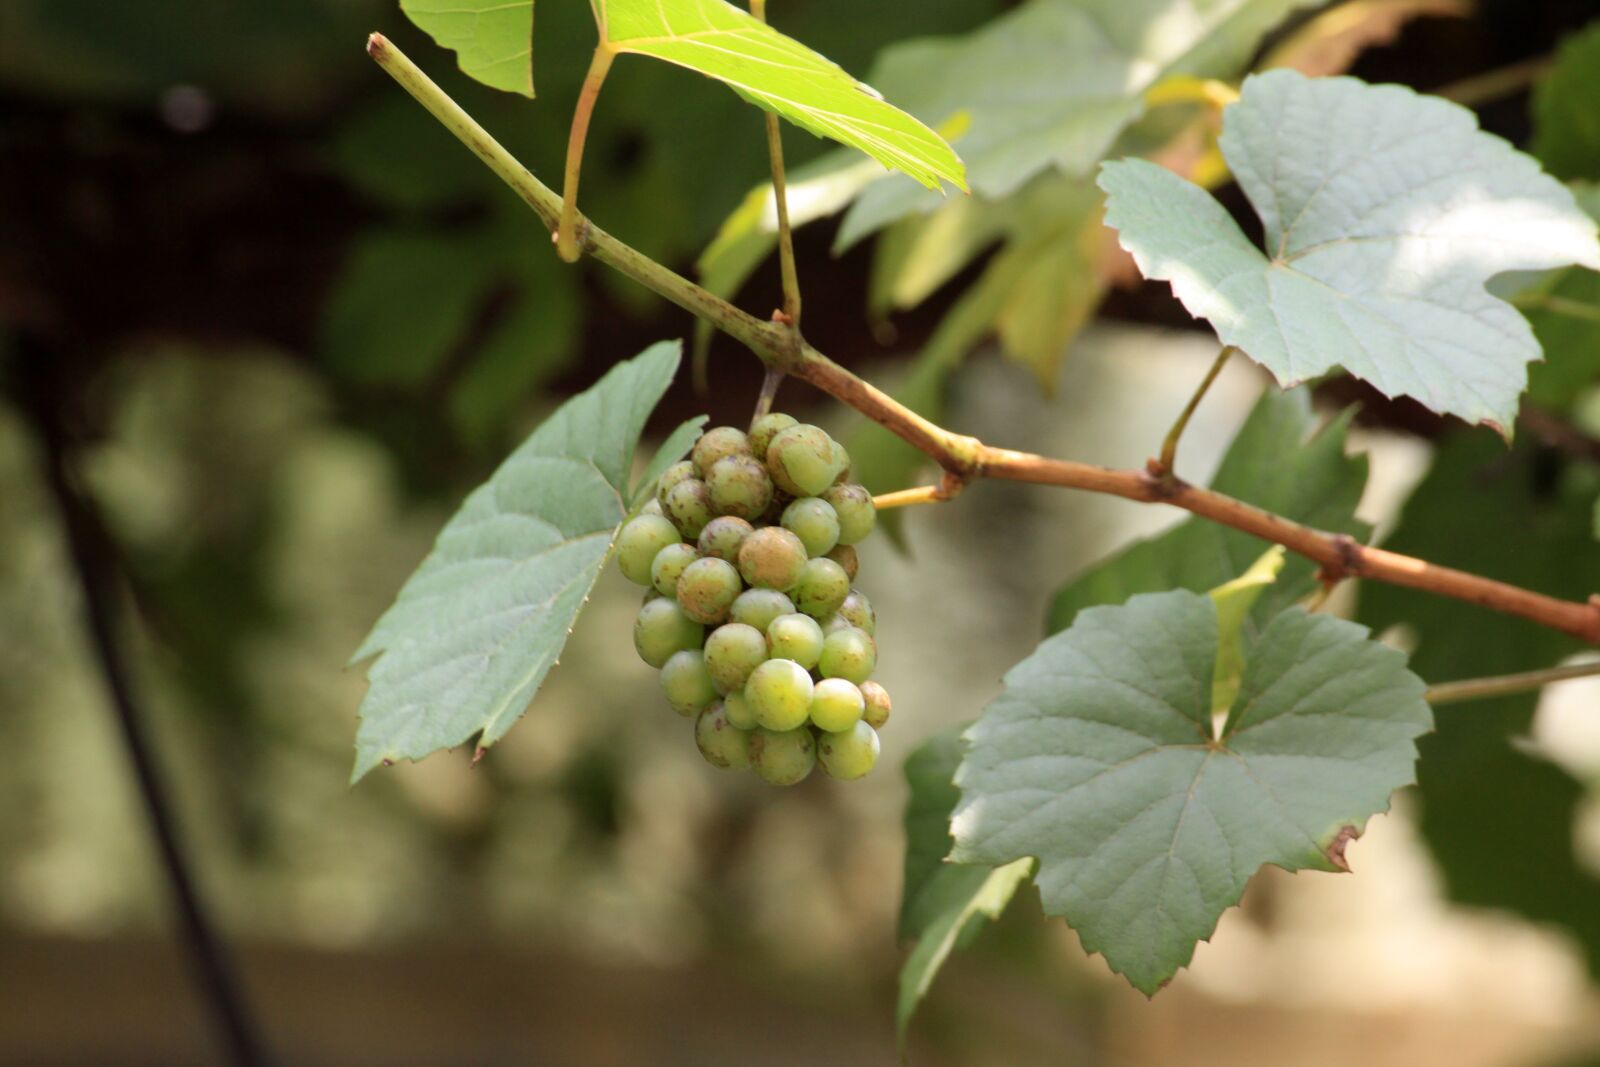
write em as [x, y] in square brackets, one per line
[966, 458]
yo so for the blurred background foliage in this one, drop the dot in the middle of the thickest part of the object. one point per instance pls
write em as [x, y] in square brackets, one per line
[282, 324]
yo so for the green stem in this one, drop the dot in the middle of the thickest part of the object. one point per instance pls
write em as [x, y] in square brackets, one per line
[567, 246]
[780, 196]
[767, 340]
[1505, 684]
[1560, 305]
[1496, 84]
[1169, 447]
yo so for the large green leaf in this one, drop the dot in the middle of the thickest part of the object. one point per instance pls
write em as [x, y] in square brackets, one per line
[781, 75]
[1385, 214]
[942, 905]
[1101, 760]
[1498, 820]
[1566, 109]
[492, 39]
[1278, 461]
[1053, 83]
[475, 630]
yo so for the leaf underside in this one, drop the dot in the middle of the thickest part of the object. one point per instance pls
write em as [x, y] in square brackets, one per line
[476, 629]
[777, 73]
[1385, 213]
[1099, 760]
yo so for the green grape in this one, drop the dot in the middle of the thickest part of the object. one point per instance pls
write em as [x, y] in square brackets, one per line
[739, 485]
[720, 742]
[680, 471]
[836, 704]
[796, 637]
[878, 704]
[688, 505]
[772, 558]
[661, 629]
[841, 463]
[668, 566]
[716, 443]
[856, 511]
[850, 753]
[739, 713]
[764, 429]
[812, 520]
[707, 588]
[857, 611]
[779, 694]
[845, 556]
[758, 607]
[849, 654]
[722, 537]
[782, 757]
[638, 543]
[822, 588]
[686, 682]
[652, 507]
[802, 460]
[732, 651]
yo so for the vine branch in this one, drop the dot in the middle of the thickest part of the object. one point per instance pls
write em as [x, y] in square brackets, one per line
[1506, 684]
[966, 458]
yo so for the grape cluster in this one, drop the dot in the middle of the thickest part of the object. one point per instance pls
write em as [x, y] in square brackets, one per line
[749, 553]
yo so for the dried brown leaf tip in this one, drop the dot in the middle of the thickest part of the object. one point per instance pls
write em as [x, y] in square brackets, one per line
[1334, 849]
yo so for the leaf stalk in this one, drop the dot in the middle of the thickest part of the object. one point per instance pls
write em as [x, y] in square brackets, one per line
[1507, 684]
[567, 244]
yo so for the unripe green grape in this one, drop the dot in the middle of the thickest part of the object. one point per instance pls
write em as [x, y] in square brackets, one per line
[796, 637]
[764, 429]
[812, 520]
[857, 610]
[688, 505]
[739, 485]
[850, 654]
[681, 471]
[841, 463]
[722, 537]
[716, 443]
[802, 460]
[856, 511]
[845, 556]
[720, 742]
[779, 694]
[758, 607]
[686, 683]
[782, 757]
[878, 704]
[707, 588]
[739, 713]
[850, 753]
[772, 558]
[733, 651]
[661, 629]
[668, 567]
[836, 704]
[822, 587]
[638, 543]
[652, 507]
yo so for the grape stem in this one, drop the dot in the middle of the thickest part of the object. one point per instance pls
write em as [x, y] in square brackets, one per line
[769, 392]
[780, 197]
[966, 458]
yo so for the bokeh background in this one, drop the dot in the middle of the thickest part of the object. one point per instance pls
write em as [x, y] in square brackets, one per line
[274, 324]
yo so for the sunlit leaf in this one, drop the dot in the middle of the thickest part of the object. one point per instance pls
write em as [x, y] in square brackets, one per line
[476, 629]
[493, 39]
[781, 75]
[1234, 601]
[1101, 760]
[1385, 214]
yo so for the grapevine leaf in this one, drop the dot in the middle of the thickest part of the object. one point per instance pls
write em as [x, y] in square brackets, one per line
[677, 444]
[1522, 518]
[942, 905]
[1566, 109]
[779, 74]
[492, 39]
[1278, 461]
[1052, 84]
[473, 633]
[1385, 214]
[1100, 759]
